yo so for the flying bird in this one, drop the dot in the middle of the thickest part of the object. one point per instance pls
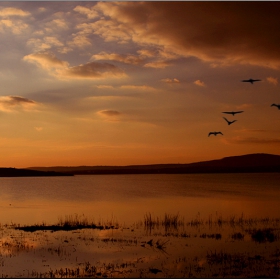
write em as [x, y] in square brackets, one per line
[233, 112]
[251, 81]
[229, 122]
[276, 105]
[215, 133]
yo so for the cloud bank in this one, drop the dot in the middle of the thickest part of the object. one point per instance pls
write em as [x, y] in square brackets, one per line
[61, 69]
[222, 33]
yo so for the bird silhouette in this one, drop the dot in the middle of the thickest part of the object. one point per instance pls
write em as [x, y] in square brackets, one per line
[215, 133]
[276, 105]
[229, 122]
[233, 112]
[251, 81]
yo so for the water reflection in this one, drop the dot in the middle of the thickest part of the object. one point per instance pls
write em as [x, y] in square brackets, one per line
[128, 197]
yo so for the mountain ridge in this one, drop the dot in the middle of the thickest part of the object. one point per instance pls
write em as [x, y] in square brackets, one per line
[257, 162]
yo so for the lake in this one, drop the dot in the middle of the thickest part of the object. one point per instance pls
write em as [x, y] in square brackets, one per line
[128, 197]
[228, 226]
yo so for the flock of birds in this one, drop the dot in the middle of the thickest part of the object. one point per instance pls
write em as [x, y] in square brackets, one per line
[238, 112]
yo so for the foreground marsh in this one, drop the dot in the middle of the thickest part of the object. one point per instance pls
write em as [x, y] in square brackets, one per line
[154, 247]
[150, 226]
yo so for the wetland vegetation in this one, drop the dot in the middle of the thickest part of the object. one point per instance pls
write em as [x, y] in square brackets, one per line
[140, 226]
[167, 246]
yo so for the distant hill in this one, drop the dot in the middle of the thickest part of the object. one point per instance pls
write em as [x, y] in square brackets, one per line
[14, 172]
[234, 164]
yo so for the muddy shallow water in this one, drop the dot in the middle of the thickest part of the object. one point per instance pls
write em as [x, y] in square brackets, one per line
[231, 248]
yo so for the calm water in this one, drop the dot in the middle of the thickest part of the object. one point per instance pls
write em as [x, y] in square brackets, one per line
[127, 198]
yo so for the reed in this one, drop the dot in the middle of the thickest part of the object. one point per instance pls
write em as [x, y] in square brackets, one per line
[73, 221]
[237, 236]
[263, 235]
[168, 221]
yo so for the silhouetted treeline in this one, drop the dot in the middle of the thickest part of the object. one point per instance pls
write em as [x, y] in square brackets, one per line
[14, 172]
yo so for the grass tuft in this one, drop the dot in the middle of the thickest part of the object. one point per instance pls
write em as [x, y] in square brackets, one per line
[69, 223]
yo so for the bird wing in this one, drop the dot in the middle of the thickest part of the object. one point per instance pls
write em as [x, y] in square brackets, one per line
[220, 133]
[237, 112]
[226, 119]
[227, 112]
[246, 81]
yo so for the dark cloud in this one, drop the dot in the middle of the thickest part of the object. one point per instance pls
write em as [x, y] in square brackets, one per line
[93, 70]
[9, 103]
[15, 100]
[220, 32]
[61, 69]
[110, 113]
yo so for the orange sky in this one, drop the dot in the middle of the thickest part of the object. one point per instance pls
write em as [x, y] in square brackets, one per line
[108, 83]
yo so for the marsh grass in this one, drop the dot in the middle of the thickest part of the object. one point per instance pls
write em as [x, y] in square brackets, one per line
[216, 236]
[239, 265]
[70, 222]
[176, 221]
[179, 248]
[237, 236]
[169, 221]
[263, 235]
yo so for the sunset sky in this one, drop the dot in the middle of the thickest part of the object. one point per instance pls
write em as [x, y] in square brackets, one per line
[121, 83]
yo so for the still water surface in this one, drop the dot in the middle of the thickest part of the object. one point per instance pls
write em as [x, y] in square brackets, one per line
[127, 198]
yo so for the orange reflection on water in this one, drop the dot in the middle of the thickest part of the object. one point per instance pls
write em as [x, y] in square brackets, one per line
[43, 211]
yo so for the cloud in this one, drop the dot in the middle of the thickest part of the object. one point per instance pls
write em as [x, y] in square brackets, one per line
[90, 13]
[170, 81]
[249, 130]
[129, 59]
[244, 106]
[157, 64]
[109, 112]
[38, 128]
[143, 57]
[252, 140]
[105, 87]
[199, 83]
[45, 60]
[57, 24]
[109, 30]
[272, 80]
[80, 41]
[92, 70]
[7, 12]
[109, 115]
[10, 20]
[12, 103]
[42, 9]
[61, 69]
[135, 87]
[221, 33]
[44, 44]
[128, 87]
[147, 53]
[16, 26]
